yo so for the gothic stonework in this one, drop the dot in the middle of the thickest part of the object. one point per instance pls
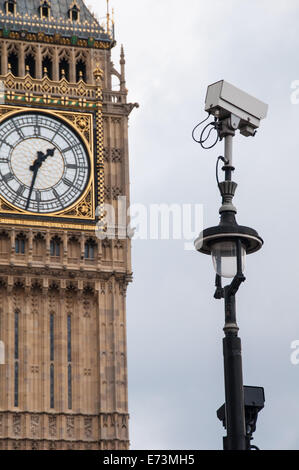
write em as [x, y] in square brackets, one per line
[62, 289]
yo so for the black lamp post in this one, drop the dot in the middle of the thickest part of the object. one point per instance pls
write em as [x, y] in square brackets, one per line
[229, 243]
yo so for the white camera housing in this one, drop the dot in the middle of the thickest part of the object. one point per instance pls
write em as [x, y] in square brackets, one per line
[224, 100]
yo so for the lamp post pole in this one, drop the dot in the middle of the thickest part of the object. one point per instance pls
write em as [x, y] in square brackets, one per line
[232, 351]
[233, 378]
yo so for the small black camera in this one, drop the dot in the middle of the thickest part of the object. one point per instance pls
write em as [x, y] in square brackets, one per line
[254, 401]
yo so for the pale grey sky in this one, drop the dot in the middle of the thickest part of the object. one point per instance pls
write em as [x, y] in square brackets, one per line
[174, 50]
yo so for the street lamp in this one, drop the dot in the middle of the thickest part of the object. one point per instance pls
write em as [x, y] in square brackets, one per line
[228, 243]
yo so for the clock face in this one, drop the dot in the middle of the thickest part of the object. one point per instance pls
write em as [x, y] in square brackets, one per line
[44, 165]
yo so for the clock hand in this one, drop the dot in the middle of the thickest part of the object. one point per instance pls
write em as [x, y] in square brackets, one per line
[35, 171]
[41, 157]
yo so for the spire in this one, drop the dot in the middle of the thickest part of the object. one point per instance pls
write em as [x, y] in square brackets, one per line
[122, 69]
[122, 55]
[108, 18]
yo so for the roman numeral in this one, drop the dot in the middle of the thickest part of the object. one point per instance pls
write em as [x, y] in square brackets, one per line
[67, 182]
[57, 196]
[57, 131]
[72, 147]
[18, 129]
[72, 166]
[37, 130]
[3, 142]
[20, 190]
[37, 196]
[67, 149]
[7, 177]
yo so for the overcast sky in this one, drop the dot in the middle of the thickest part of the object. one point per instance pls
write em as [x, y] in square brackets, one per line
[174, 50]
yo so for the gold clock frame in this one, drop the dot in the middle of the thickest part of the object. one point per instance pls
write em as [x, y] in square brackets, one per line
[84, 207]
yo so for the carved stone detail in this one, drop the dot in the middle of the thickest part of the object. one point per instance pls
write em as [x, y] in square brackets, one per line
[16, 424]
[116, 155]
[35, 425]
[52, 426]
[70, 426]
[88, 427]
[34, 445]
[16, 445]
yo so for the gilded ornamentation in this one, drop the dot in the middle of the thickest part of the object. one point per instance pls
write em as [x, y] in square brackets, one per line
[45, 85]
[82, 122]
[4, 110]
[98, 75]
[84, 209]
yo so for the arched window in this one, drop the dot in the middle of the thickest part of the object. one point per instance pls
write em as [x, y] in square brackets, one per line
[13, 63]
[64, 69]
[39, 247]
[74, 13]
[51, 385]
[69, 360]
[52, 337]
[4, 244]
[30, 65]
[16, 358]
[81, 71]
[20, 244]
[10, 7]
[73, 249]
[55, 244]
[48, 67]
[52, 371]
[45, 9]
[90, 248]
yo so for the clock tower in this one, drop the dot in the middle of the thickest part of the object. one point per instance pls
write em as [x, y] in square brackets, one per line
[63, 155]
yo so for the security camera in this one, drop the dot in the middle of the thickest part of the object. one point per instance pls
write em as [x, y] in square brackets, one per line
[254, 402]
[224, 101]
